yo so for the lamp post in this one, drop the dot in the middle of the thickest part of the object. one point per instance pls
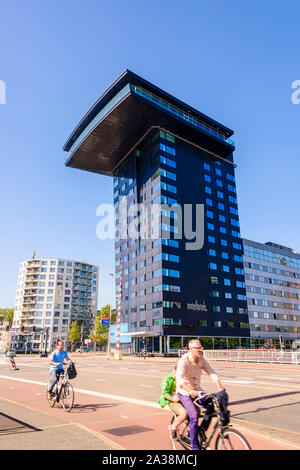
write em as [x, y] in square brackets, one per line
[108, 341]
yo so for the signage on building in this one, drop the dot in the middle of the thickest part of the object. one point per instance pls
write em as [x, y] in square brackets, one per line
[196, 306]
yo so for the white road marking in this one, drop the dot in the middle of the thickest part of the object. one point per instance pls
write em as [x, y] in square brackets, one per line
[276, 378]
[134, 374]
[237, 382]
[275, 384]
[101, 380]
[123, 416]
[22, 364]
[146, 386]
[135, 401]
[245, 378]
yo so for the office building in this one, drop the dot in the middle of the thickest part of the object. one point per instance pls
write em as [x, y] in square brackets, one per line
[272, 276]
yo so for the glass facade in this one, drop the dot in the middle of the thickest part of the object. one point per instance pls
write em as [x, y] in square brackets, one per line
[272, 276]
[165, 286]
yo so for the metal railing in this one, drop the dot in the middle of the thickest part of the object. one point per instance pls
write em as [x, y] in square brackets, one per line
[272, 356]
[179, 113]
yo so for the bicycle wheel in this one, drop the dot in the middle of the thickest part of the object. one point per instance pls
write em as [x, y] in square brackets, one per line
[231, 439]
[51, 401]
[67, 397]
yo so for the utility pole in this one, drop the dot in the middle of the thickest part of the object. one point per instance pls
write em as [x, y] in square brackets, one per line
[108, 340]
[81, 335]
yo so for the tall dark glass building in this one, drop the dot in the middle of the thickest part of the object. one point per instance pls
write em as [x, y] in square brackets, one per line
[176, 213]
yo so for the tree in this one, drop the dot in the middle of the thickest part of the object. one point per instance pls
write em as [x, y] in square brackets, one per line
[6, 314]
[102, 331]
[74, 333]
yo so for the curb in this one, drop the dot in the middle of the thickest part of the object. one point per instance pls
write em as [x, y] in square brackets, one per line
[101, 437]
[266, 432]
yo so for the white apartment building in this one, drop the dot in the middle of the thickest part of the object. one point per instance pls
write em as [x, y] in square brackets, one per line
[51, 293]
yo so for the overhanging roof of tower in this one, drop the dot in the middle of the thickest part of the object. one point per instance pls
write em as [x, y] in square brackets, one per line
[128, 110]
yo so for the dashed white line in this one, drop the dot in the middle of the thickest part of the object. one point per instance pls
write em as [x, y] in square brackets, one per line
[237, 382]
[276, 378]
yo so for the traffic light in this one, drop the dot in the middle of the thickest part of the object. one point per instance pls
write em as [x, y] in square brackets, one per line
[33, 328]
[22, 328]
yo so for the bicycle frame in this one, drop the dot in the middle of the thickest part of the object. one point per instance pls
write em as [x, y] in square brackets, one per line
[217, 425]
[62, 381]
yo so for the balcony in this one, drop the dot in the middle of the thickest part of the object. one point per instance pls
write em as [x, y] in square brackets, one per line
[30, 294]
[30, 306]
[27, 309]
[28, 320]
[33, 270]
[30, 286]
[33, 262]
[31, 277]
[31, 283]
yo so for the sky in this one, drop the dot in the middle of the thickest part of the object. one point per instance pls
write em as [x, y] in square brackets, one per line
[234, 61]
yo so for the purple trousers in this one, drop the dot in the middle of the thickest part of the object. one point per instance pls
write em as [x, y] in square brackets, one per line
[187, 403]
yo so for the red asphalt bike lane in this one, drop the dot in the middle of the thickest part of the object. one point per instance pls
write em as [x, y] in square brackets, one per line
[128, 426]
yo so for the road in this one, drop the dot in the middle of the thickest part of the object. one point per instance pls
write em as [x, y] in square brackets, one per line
[119, 398]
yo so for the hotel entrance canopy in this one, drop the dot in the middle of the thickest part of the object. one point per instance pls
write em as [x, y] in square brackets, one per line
[126, 113]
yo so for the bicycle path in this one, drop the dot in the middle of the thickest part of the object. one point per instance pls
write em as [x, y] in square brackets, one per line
[94, 423]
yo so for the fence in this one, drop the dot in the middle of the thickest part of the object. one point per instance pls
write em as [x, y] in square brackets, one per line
[273, 356]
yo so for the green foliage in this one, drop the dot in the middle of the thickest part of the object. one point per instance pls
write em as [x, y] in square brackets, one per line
[6, 314]
[102, 331]
[74, 333]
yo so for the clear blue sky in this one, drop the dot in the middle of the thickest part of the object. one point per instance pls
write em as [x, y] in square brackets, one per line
[233, 60]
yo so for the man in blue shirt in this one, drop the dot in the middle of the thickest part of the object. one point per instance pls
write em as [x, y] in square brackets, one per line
[56, 361]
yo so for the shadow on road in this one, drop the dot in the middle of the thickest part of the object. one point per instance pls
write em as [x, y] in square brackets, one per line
[264, 397]
[91, 407]
[9, 425]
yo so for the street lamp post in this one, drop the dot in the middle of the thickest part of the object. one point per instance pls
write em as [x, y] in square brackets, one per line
[108, 340]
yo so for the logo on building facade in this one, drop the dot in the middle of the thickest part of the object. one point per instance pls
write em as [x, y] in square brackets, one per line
[196, 306]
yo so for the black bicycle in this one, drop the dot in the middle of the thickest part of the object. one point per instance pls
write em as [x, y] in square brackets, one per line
[226, 437]
[63, 391]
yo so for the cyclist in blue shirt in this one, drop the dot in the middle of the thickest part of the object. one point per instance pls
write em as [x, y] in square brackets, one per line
[56, 362]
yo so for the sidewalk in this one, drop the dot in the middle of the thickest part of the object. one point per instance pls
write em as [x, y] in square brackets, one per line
[27, 422]
[22, 428]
